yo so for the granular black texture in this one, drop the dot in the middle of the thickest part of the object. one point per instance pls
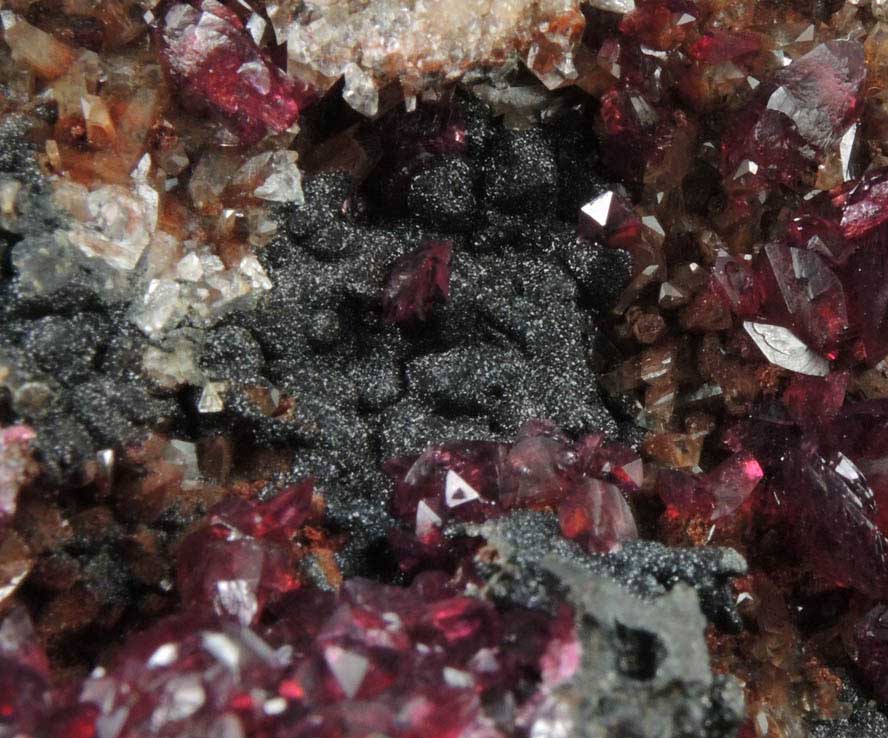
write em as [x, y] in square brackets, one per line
[864, 720]
[645, 568]
[514, 341]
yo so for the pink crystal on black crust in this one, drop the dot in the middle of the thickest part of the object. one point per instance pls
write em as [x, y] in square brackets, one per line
[541, 469]
[211, 56]
[416, 282]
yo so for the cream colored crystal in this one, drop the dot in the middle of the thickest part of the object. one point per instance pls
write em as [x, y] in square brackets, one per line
[421, 43]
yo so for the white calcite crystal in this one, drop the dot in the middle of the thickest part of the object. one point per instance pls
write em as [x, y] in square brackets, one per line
[111, 240]
[421, 43]
[198, 290]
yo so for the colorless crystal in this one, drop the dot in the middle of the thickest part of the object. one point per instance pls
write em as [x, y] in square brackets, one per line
[614, 6]
[159, 304]
[211, 398]
[784, 349]
[419, 44]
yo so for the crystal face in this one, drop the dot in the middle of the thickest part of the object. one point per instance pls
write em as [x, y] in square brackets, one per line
[415, 282]
[211, 53]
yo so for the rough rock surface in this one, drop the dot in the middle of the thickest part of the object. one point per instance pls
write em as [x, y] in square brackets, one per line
[645, 664]
[644, 568]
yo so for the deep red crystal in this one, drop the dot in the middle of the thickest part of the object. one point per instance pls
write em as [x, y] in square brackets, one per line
[799, 291]
[721, 46]
[416, 282]
[815, 400]
[240, 559]
[833, 514]
[211, 55]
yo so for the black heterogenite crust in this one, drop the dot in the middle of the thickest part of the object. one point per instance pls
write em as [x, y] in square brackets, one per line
[516, 339]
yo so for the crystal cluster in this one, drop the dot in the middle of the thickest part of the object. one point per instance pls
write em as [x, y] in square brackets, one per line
[420, 45]
[541, 469]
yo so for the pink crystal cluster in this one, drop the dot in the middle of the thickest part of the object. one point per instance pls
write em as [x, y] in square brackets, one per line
[584, 481]
[210, 53]
[787, 295]
[255, 654]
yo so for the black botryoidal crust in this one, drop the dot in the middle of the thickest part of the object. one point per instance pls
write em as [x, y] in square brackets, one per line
[515, 340]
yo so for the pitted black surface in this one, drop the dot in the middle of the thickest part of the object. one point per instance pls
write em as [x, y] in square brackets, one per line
[513, 341]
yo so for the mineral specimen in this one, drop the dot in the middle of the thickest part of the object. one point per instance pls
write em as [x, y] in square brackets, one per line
[462, 416]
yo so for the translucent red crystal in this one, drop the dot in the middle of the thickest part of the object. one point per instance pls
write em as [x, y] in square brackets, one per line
[596, 515]
[240, 560]
[211, 55]
[799, 291]
[584, 481]
[416, 282]
[722, 45]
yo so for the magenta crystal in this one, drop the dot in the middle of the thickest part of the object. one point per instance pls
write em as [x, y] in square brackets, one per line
[865, 207]
[416, 282]
[189, 676]
[801, 292]
[538, 468]
[822, 91]
[803, 110]
[457, 479]
[684, 494]
[210, 53]
[597, 516]
[832, 511]
[734, 279]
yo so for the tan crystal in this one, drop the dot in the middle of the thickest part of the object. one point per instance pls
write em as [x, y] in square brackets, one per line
[417, 44]
[46, 56]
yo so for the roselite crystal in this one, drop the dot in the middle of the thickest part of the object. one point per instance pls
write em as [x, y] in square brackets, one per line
[416, 282]
[210, 53]
[541, 469]
[798, 114]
